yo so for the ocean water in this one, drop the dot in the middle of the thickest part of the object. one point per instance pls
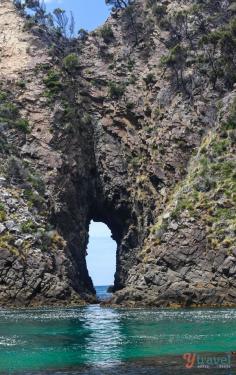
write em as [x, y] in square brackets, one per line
[94, 340]
[102, 293]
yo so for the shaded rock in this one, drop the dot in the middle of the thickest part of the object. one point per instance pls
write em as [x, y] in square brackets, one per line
[2, 228]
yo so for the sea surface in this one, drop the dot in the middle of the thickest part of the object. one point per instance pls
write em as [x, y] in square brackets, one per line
[94, 340]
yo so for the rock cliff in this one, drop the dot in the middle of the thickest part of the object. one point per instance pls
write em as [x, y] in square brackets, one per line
[132, 125]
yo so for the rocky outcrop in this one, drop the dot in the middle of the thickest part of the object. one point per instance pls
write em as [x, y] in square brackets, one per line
[36, 267]
[133, 126]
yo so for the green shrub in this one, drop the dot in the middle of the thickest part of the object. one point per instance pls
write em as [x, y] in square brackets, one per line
[130, 65]
[115, 90]
[2, 206]
[29, 24]
[8, 111]
[130, 106]
[106, 33]
[7, 242]
[9, 114]
[53, 82]
[37, 182]
[28, 227]
[133, 79]
[182, 205]
[230, 123]
[34, 199]
[220, 45]
[86, 119]
[176, 56]
[149, 79]
[159, 11]
[151, 3]
[219, 147]
[71, 62]
[70, 112]
[16, 170]
[51, 240]
[2, 212]
[22, 125]
[3, 95]
[21, 84]
[82, 34]
[4, 145]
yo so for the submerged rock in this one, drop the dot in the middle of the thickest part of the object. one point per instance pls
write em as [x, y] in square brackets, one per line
[110, 289]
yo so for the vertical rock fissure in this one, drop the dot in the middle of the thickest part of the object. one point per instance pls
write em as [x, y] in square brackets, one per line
[90, 191]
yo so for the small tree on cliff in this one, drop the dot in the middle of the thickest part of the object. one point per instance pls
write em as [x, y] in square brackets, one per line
[18, 4]
[63, 23]
[119, 4]
[61, 20]
[39, 9]
[128, 13]
[56, 21]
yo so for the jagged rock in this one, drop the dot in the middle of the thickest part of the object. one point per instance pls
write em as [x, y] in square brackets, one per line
[19, 242]
[228, 264]
[3, 181]
[10, 225]
[174, 226]
[2, 228]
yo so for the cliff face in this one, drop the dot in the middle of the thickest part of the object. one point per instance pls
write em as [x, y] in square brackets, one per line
[133, 126]
[34, 264]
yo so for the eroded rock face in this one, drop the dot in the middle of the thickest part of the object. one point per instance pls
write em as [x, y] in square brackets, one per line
[124, 140]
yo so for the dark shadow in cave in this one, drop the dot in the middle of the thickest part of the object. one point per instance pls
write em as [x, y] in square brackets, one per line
[101, 258]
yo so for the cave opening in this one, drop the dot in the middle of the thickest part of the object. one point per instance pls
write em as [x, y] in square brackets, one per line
[101, 257]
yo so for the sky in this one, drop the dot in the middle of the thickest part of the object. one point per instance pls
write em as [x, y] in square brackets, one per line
[89, 14]
[101, 259]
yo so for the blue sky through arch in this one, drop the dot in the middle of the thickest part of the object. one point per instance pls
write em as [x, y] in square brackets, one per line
[101, 259]
[89, 14]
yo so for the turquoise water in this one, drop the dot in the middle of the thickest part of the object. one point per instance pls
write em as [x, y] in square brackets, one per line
[78, 340]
